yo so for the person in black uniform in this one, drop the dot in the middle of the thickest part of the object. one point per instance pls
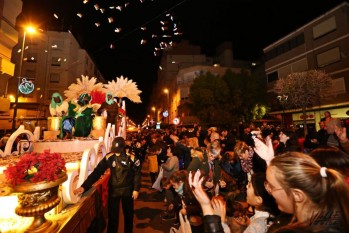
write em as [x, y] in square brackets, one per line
[124, 184]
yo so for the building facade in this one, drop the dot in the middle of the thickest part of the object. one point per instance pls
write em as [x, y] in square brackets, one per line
[172, 60]
[322, 44]
[51, 61]
[178, 69]
[9, 10]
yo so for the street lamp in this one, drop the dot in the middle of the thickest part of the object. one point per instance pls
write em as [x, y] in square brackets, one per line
[154, 109]
[30, 30]
[166, 91]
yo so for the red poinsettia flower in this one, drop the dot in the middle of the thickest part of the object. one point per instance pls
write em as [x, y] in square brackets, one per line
[36, 167]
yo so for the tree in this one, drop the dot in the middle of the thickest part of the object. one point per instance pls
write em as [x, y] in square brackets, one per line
[304, 89]
[246, 93]
[223, 100]
[208, 97]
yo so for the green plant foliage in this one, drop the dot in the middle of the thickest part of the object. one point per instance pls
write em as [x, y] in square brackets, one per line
[223, 100]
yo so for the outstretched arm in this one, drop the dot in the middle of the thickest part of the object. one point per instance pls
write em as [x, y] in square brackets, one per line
[212, 221]
[264, 150]
[196, 185]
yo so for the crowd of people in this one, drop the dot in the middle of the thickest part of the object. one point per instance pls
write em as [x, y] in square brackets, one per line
[251, 179]
[255, 179]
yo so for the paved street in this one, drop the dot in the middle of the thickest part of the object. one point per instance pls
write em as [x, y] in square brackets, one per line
[148, 207]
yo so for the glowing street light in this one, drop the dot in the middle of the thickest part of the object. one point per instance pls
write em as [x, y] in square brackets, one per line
[167, 92]
[154, 110]
[30, 30]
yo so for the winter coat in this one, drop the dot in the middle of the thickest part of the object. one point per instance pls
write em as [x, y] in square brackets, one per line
[125, 174]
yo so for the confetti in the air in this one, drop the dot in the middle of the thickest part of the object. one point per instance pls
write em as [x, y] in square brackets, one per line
[159, 32]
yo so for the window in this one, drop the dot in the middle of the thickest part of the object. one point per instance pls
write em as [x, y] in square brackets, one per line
[324, 27]
[285, 47]
[328, 57]
[272, 76]
[299, 66]
[54, 78]
[338, 86]
[56, 61]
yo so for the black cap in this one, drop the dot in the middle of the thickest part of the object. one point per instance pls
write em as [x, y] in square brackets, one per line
[118, 145]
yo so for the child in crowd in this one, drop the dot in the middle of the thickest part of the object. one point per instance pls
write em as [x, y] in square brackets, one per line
[170, 212]
[257, 196]
[189, 205]
[263, 203]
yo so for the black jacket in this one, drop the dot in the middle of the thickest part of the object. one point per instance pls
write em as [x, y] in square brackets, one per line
[213, 224]
[125, 174]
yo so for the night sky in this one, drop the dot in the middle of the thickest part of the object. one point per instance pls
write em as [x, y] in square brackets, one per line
[250, 25]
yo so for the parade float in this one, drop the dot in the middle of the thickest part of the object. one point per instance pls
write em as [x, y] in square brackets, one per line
[51, 205]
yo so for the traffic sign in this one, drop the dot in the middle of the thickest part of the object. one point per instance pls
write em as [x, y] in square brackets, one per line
[176, 121]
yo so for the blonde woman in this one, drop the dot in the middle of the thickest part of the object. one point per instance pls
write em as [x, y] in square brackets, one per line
[316, 196]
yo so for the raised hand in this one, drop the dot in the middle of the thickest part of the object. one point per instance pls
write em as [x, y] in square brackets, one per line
[219, 208]
[196, 186]
[135, 195]
[79, 191]
[264, 150]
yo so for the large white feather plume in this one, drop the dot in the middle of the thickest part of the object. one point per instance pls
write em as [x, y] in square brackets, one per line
[83, 85]
[123, 87]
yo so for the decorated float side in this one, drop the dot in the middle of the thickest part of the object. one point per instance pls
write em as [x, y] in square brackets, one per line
[81, 129]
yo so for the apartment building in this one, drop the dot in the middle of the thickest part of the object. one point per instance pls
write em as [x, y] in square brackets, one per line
[178, 69]
[51, 61]
[9, 10]
[172, 60]
[321, 44]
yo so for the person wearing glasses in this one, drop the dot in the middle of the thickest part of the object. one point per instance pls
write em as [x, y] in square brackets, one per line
[316, 196]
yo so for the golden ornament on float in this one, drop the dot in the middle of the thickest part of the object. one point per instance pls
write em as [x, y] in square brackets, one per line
[35, 199]
[99, 123]
[53, 123]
